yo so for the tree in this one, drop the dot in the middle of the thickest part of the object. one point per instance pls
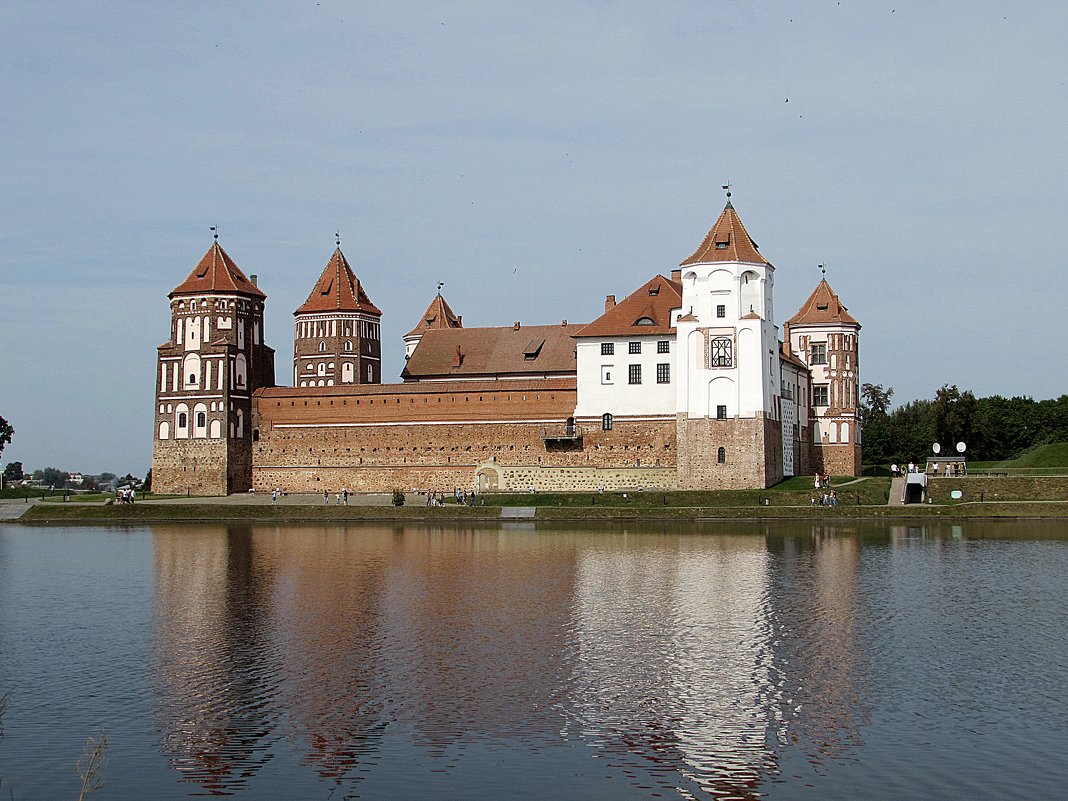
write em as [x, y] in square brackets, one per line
[147, 486]
[13, 472]
[874, 402]
[6, 433]
[51, 476]
[953, 416]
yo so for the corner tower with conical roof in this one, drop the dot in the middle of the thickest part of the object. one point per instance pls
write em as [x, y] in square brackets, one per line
[338, 336]
[206, 374]
[826, 337]
[437, 315]
[729, 430]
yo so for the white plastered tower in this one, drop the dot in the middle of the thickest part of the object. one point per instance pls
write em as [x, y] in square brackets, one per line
[729, 434]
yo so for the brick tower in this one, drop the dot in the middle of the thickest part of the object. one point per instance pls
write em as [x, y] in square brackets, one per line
[729, 429]
[337, 337]
[206, 374]
[825, 335]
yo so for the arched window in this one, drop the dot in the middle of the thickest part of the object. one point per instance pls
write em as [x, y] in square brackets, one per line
[183, 421]
[721, 455]
[606, 422]
[347, 373]
[348, 346]
[202, 419]
[322, 347]
[370, 374]
[164, 430]
[645, 321]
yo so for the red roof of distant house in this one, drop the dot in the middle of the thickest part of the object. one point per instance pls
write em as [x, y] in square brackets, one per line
[727, 240]
[647, 310]
[437, 315]
[338, 289]
[823, 306]
[216, 272]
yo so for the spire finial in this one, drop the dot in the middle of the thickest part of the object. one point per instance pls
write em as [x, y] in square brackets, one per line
[337, 237]
[727, 188]
[440, 285]
[215, 231]
[823, 269]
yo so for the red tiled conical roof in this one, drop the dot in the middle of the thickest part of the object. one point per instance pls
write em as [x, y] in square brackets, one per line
[727, 241]
[338, 289]
[823, 306]
[216, 272]
[437, 315]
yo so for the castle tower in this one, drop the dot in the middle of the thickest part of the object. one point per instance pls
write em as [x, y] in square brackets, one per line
[437, 315]
[729, 432]
[338, 338]
[206, 374]
[825, 335]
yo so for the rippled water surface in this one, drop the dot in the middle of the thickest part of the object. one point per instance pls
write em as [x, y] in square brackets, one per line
[724, 661]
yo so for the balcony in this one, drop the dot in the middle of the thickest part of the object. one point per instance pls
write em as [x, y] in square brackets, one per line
[566, 435]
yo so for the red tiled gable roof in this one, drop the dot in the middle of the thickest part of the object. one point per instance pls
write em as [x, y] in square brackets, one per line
[786, 356]
[654, 300]
[437, 315]
[823, 306]
[727, 241]
[338, 289]
[216, 272]
[505, 351]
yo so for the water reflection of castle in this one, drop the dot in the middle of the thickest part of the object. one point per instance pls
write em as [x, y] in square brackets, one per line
[678, 658]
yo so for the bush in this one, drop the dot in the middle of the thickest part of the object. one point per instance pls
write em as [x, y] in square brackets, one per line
[398, 497]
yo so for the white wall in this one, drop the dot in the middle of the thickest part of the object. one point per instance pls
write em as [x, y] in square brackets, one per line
[620, 397]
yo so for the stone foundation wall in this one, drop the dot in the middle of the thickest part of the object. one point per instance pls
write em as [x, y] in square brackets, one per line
[377, 458]
[752, 450]
[576, 479]
[190, 466]
[837, 460]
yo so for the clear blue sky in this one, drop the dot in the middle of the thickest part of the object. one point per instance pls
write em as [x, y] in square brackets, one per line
[534, 157]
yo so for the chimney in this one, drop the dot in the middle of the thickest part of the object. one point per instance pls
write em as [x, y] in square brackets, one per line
[515, 326]
[564, 323]
[786, 339]
[253, 278]
[609, 303]
[458, 359]
[460, 321]
[676, 276]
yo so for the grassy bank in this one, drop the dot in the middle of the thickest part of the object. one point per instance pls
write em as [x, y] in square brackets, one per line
[140, 514]
[796, 491]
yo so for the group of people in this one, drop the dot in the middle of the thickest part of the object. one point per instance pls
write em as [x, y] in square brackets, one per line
[826, 499]
[896, 471]
[125, 496]
[462, 496]
[341, 497]
[821, 481]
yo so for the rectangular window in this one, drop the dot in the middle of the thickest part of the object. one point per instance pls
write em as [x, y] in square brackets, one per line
[663, 374]
[819, 395]
[663, 347]
[635, 347]
[606, 374]
[721, 412]
[819, 353]
[635, 374]
[721, 311]
[608, 348]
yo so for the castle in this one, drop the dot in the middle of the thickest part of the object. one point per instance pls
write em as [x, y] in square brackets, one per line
[683, 384]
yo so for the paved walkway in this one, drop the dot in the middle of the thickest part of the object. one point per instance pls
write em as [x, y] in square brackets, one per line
[14, 508]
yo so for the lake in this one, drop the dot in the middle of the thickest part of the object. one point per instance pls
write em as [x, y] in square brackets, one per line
[718, 660]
